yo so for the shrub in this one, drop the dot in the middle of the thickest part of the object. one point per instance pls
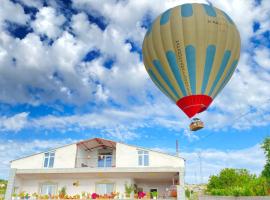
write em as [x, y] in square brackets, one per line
[237, 182]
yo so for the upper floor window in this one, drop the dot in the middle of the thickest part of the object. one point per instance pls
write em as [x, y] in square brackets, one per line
[49, 159]
[143, 158]
[105, 161]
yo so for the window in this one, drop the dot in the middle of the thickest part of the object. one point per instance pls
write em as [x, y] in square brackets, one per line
[105, 161]
[104, 188]
[143, 158]
[48, 188]
[49, 159]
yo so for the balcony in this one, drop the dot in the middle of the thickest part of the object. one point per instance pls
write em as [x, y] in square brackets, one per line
[95, 153]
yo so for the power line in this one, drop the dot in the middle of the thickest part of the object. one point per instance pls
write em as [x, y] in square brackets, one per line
[232, 123]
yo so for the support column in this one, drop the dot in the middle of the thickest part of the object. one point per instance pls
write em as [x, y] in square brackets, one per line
[10, 185]
[181, 187]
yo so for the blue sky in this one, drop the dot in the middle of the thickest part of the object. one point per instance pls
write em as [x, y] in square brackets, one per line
[73, 70]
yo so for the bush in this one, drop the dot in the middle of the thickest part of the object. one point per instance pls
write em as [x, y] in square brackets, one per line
[237, 182]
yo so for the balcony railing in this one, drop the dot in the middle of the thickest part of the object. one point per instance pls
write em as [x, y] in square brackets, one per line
[105, 162]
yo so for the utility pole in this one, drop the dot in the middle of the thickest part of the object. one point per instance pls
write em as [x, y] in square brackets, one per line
[177, 147]
[200, 163]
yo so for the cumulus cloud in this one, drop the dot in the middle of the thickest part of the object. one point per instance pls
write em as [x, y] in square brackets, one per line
[14, 123]
[213, 160]
[60, 72]
[64, 58]
[48, 23]
[12, 12]
[10, 150]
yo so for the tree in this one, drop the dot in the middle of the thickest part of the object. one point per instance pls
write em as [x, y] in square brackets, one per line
[237, 182]
[266, 147]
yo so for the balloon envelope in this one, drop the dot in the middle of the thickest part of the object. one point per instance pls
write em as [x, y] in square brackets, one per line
[190, 52]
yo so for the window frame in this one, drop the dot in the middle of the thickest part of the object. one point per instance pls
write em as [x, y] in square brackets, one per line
[49, 158]
[48, 184]
[105, 160]
[104, 182]
[142, 156]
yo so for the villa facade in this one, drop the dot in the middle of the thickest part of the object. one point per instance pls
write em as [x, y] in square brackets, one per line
[97, 166]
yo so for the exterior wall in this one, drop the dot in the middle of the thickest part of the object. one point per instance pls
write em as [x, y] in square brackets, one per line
[31, 162]
[161, 187]
[85, 185]
[64, 158]
[123, 156]
[127, 156]
[90, 158]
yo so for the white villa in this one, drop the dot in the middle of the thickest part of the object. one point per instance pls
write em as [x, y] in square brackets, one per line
[97, 166]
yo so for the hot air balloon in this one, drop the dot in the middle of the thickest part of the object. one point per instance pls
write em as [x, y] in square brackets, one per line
[190, 52]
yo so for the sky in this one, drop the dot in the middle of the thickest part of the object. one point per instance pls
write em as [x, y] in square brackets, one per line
[72, 70]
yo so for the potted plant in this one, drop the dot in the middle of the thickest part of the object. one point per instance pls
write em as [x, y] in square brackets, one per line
[14, 196]
[21, 195]
[94, 195]
[84, 195]
[154, 194]
[141, 195]
[62, 192]
[35, 195]
[129, 189]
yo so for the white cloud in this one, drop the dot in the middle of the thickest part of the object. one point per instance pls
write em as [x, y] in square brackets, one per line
[262, 57]
[10, 150]
[14, 123]
[36, 72]
[12, 12]
[48, 22]
[213, 160]
[32, 3]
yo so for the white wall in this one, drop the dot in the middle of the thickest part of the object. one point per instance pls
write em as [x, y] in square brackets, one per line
[127, 156]
[123, 156]
[89, 185]
[85, 185]
[31, 162]
[64, 158]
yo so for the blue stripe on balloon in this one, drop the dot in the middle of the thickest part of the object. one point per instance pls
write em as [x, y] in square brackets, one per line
[210, 10]
[149, 29]
[191, 65]
[165, 17]
[210, 55]
[223, 65]
[153, 76]
[228, 17]
[228, 75]
[186, 10]
[175, 69]
[163, 75]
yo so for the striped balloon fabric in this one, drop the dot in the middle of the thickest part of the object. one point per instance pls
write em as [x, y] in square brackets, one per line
[190, 52]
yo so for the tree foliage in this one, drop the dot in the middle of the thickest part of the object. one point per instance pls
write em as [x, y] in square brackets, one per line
[237, 182]
[266, 147]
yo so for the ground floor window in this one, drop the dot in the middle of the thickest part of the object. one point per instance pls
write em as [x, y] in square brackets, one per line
[48, 188]
[104, 188]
